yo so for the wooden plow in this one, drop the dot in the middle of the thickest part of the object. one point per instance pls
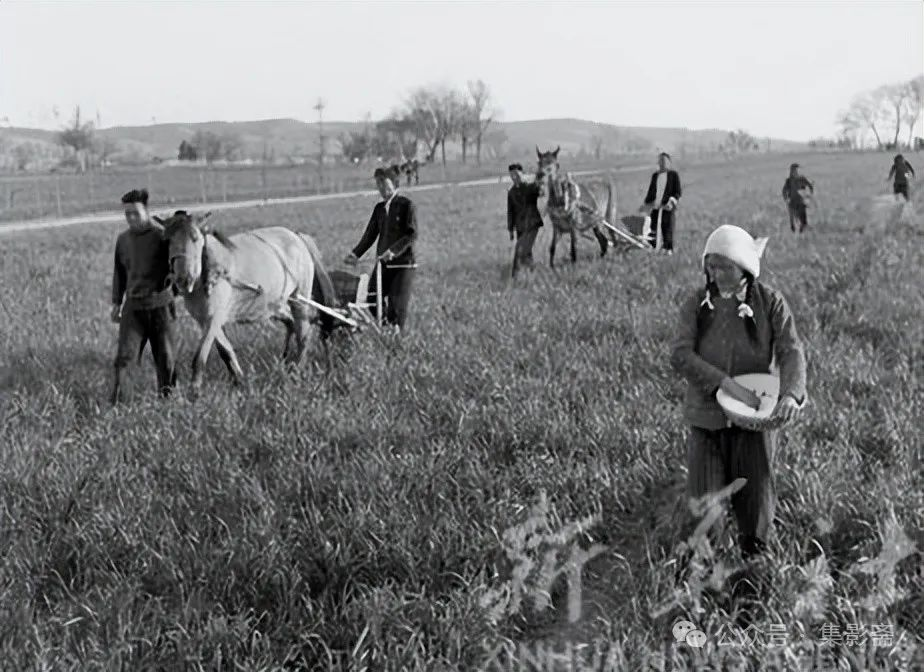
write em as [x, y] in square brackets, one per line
[591, 208]
[356, 299]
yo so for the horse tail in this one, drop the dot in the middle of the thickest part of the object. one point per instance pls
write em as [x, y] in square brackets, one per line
[322, 287]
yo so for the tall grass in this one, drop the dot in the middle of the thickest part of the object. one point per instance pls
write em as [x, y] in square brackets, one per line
[359, 521]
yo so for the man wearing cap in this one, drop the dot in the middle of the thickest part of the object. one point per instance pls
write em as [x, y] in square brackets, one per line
[662, 198]
[792, 194]
[523, 218]
[394, 224]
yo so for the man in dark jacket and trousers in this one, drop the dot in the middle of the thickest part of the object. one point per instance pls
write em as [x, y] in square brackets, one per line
[140, 276]
[394, 224]
[662, 198]
[523, 218]
[899, 172]
[792, 194]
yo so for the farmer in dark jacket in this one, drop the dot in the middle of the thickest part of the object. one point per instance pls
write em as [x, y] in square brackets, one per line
[394, 225]
[140, 277]
[662, 198]
[793, 187]
[523, 218]
[900, 171]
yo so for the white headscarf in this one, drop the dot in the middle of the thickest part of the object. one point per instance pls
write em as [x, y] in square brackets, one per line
[737, 245]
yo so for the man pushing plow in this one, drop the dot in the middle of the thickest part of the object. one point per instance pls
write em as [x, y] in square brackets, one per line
[394, 225]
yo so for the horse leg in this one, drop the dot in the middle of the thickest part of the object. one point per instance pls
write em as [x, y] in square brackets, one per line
[201, 356]
[573, 245]
[301, 325]
[552, 247]
[302, 329]
[604, 243]
[290, 330]
[116, 386]
[228, 356]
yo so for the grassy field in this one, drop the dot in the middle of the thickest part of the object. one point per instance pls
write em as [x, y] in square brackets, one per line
[359, 522]
[34, 196]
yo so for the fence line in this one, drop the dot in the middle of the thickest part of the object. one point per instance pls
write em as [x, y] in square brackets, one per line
[63, 196]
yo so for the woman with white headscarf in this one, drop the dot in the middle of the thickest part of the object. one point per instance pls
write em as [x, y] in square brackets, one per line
[736, 325]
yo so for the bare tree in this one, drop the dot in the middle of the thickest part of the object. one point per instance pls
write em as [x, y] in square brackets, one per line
[79, 137]
[740, 141]
[436, 113]
[355, 146]
[104, 147]
[482, 111]
[208, 145]
[597, 144]
[449, 117]
[422, 107]
[893, 97]
[867, 110]
[914, 102]
[24, 154]
[852, 126]
[495, 141]
[232, 146]
[468, 126]
[395, 136]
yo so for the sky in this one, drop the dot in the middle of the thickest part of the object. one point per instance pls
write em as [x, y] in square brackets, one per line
[781, 69]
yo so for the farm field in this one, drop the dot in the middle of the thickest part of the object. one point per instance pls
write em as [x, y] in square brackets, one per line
[358, 522]
[33, 196]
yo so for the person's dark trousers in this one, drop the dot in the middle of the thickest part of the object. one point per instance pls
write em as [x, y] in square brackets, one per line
[797, 213]
[524, 249]
[901, 189]
[156, 326]
[667, 229]
[715, 458]
[396, 286]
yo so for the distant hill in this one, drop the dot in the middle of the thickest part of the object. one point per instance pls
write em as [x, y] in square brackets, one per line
[293, 138]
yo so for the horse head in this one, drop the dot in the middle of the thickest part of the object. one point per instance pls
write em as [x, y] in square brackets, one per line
[186, 235]
[547, 170]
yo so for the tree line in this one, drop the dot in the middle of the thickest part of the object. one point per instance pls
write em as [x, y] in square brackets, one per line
[427, 119]
[883, 113]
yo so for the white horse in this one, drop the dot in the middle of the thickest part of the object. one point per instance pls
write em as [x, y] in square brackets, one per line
[264, 274]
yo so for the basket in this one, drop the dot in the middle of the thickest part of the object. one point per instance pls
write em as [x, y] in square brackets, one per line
[635, 224]
[348, 285]
[767, 387]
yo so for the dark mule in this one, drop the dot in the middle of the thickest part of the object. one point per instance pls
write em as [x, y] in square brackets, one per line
[566, 211]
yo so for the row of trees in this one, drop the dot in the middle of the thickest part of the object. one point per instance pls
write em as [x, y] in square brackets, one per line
[84, 146]
[739, 142]
[428, 118]
[211, 147]
[883, 112]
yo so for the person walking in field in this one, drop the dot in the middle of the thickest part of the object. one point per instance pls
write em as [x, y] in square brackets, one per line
[732, 326]
[140, 278]
[523, 218]
[394, 225]
[900, 172]
[662, 199]
[793, 189]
